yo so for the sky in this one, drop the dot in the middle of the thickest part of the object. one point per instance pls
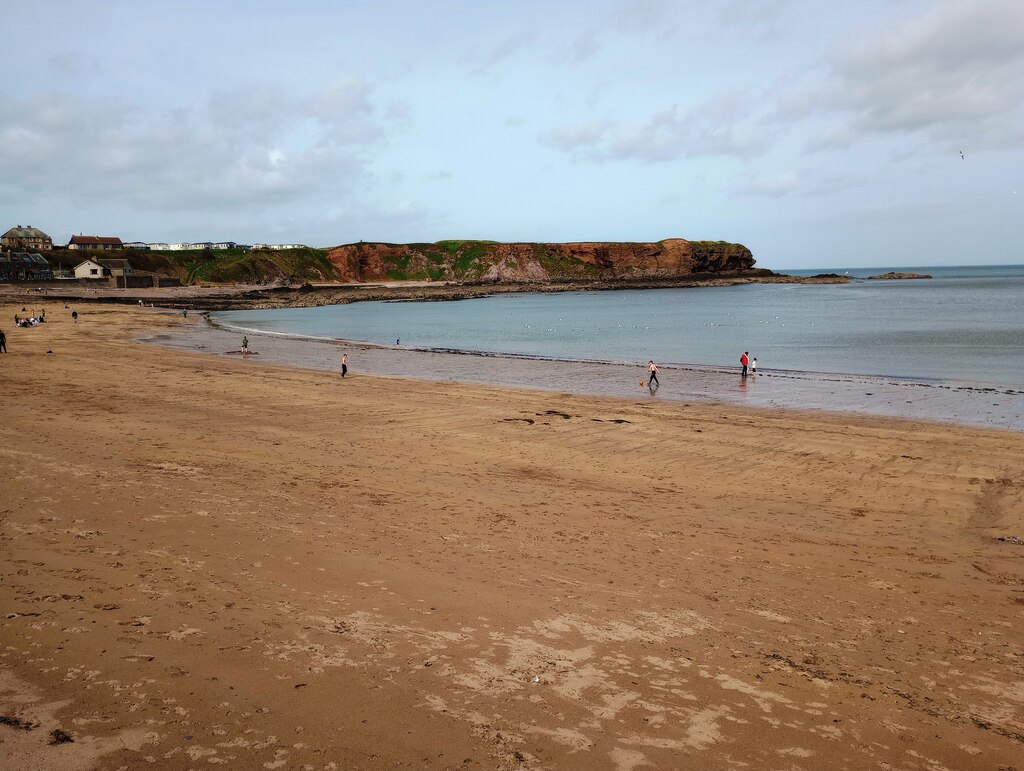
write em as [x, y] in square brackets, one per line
[869, 133]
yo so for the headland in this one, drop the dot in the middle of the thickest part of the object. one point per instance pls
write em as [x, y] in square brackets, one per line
[445, 270]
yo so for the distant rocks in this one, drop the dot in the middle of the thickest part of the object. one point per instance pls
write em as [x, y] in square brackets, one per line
[894, 275]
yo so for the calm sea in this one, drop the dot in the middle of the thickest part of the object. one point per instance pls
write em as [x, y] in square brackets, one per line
[964, 325]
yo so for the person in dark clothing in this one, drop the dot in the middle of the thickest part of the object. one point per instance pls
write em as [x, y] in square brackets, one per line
[652, 369]
[3, 342]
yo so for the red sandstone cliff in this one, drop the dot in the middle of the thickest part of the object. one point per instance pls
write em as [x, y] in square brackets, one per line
[490, 261]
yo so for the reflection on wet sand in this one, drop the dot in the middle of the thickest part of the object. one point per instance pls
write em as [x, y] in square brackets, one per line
[965, 403]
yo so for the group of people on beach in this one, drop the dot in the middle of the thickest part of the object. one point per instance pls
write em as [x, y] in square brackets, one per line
[25, 322]
[748, 366]
[30, 321]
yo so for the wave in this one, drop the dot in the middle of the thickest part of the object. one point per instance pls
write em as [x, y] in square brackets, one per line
[696, 368]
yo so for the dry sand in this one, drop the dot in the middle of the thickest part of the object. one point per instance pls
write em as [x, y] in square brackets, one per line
[209, 562]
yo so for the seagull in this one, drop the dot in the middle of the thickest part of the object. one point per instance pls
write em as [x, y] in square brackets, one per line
[962, 156]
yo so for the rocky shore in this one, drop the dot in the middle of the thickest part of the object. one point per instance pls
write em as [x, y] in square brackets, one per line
[248, 296]
[894, 275]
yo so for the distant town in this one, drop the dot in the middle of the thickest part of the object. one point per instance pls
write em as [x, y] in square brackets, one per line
[29, 254]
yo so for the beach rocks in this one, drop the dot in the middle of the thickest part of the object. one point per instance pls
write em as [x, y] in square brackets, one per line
[894, 275]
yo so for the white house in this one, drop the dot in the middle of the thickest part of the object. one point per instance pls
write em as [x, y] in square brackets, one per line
[91, 269]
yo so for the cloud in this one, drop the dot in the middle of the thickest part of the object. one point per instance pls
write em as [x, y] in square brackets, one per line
[483, 61]
[581, 137]
[643, 17]
[722, 126]
[345, 112]
[794, 184]
[249, 146]
[584, 46]
[396, 221]
[954, 74]
[76, 64]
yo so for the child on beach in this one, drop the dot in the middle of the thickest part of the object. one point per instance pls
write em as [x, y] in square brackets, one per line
[753, 366]
[245, 345]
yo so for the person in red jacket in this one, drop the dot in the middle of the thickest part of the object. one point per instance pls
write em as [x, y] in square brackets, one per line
[744, 362]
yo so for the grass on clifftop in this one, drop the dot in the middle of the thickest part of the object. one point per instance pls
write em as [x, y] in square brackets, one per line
[254, 267]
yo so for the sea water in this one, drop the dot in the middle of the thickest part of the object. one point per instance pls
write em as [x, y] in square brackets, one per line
[963, 325]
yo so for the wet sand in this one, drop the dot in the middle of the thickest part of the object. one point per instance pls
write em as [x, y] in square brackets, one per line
[965, 403]
[211, 560]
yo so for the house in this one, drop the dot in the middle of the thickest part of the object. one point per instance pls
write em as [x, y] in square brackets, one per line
[91, 269]
[23, 266]
[104, 267]
[95, 243]
[116, 266]
[25, 238]
[139, 246]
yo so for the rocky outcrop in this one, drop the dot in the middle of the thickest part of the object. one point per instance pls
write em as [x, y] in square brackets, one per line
[526, 262]
[893, 275]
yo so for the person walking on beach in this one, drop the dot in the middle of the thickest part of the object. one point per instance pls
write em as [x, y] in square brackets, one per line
[344, 364]
[744, 362]
[74, 316]
[245, 345]
[753, 366]
[3, 342]
[652, 370]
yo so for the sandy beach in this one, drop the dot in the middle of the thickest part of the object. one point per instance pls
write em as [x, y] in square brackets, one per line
[218, 561]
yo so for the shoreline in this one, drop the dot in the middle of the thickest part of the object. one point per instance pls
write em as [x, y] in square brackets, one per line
[251, 297]
[210, 562]
[948, 402]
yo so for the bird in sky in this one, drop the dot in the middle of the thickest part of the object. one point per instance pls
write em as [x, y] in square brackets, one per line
[962, 156]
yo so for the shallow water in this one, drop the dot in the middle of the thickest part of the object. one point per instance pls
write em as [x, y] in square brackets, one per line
[870, 395]
[964, 326]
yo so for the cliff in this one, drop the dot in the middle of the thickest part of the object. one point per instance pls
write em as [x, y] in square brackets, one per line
[451, 261]
[518, 262]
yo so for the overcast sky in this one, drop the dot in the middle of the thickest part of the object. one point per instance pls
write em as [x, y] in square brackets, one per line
[818, 134]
